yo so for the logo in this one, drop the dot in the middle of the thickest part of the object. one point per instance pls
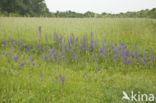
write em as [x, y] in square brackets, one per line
[138, 96]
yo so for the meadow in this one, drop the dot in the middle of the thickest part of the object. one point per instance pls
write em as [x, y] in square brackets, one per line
[87, 60]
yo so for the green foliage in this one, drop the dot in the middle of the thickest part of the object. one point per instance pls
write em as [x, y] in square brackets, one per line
[24, 7]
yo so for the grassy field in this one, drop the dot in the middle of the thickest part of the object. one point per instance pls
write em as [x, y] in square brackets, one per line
[77, 61]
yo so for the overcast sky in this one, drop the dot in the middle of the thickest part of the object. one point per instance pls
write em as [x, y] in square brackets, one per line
[99, 6]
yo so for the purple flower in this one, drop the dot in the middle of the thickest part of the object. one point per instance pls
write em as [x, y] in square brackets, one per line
[31, 59]
[77, 39]
[115, 52]
[63, 53]
[118, 48]
[129, 61]
[22, 65]
[74, 56]
[133, 55]
[125, 62]
[27, 48]
[62, 78]
[125, 46]
[39, 46]
[124, 53]
[145, 60]
[115, 44]
[56, 79]
[152, 57]
[139, 61]
[103, 50]
[11, 41]
[33, 64]
[85, 74]
[39, 65]
[117, 56]
[45, 58]
[112, 46]
[97, 69]
[15, 58]
[4, 43]
[139, 55]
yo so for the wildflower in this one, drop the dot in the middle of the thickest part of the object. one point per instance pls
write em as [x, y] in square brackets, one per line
[15, 58]
[39, 46]
[145, 60]
[77, 39]
[62, 78]
[139, 55]
[4, 43]
[115, 52]
[129, 61]
[74, 56]
[85, 74]
[33, 64]
[117, 56]
[112, 46]
[132, 54]
[139, 61]
[45, 58]
[115, 44]
[152, 57]
[125, 46]
[103, 50]
[39, 65]
[28, 49]
[11, 41]
[56, 79]
[31, 59]
[97, 69]
[22, 65]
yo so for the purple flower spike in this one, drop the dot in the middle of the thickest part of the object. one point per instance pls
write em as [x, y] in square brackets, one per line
[117, 56]
[11, 41]
[97, 69]
[112, 46]
[125, 46]
[28, 49]
[4, 43]
[139, 55]
[56, 79]
[45, 58]
[22, 65]
[39, 65]
[145, 60]
[15, 58]
[133, 55]
[103, 50]
[74, 56]
[31, 59]
[115, 52]
[129, 61]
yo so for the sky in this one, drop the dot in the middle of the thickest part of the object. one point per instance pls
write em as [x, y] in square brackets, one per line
[99, 6]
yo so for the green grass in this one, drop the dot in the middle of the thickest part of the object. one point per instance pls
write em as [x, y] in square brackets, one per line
[83, 84]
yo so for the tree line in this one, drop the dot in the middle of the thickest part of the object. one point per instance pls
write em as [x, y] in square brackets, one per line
[38, 8]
